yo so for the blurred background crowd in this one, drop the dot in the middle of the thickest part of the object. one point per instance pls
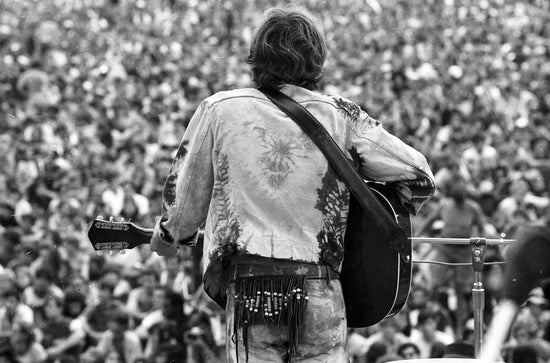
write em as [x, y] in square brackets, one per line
[95, 95]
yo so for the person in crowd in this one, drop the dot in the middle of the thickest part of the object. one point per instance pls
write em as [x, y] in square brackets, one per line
[520, 198]
[140, 300]
[24, 345]
[426, 336]
[169, 352]
[156, 316]
[170, 327]
[61, 336]
[437, 350]
[523, 354]
[118, 344]
[11, 239]
[54, 326]
[537, 306]
[23, 277]
[74, 303]
[182, 275]
[287, 53]
[462, 217]
[387, 332]
[451, 168]
[526, 331]
[422, 298]
[173, 277]
[93, 317]
[42, 288]
[125, 201]
[408, 350]
[376, 351]
[520, 217]
[13, 311]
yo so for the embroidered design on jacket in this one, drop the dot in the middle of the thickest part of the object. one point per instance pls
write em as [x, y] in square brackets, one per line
[349, 108]
[226, 225]
[333, 203]
[353, 111]
[169, 191]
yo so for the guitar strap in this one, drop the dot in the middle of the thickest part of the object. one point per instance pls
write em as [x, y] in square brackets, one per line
[379, 216]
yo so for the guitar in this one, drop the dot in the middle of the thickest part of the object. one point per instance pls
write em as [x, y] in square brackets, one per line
[383, 291]
[387, 281]
[117, 236]
[109, 235]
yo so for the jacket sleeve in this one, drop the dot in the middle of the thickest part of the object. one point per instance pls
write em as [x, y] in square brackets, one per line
[188, 188]
[384, 157]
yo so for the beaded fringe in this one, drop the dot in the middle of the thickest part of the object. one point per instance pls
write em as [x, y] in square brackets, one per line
[270, 300]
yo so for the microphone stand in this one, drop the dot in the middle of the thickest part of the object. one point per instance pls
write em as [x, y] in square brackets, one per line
[478, 292]
[478, 297]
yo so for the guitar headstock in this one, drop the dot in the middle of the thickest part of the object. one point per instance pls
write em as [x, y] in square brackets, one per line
[109, 235]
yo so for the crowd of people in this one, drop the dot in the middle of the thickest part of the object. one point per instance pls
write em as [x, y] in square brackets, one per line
[95, 95]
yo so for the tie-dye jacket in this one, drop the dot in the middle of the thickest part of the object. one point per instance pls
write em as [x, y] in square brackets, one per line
[259, 185]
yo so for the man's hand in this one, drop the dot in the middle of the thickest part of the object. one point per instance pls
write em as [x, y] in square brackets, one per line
[161, 244]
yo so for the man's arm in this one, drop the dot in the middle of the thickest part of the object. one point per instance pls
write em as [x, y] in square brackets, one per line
[386, 158]
[188, 189]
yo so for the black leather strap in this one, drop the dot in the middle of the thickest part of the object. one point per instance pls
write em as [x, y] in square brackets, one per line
[384, 221]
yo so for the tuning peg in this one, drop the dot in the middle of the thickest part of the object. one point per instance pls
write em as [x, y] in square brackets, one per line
[111, 219]
[122, 252]
[122, 220]
[99, 253]
[100, 217]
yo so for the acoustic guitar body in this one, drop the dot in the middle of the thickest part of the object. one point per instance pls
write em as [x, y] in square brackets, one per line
[375, 278]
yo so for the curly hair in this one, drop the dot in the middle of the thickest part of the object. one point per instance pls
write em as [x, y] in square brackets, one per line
[288, 47]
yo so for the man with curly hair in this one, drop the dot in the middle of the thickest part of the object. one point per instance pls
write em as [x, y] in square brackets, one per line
[274, 211]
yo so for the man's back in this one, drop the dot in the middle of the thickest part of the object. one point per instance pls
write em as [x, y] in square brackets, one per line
[273, 188]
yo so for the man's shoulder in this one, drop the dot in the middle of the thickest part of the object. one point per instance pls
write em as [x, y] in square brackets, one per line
[234, 95]
[298, 93]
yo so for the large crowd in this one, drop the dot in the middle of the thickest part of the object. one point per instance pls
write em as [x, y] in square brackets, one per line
[95, 95]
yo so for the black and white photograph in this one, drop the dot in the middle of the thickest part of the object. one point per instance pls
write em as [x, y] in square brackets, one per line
[269, 181]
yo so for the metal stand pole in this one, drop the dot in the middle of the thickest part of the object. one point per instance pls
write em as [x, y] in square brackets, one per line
[478, 296]
[478, 292]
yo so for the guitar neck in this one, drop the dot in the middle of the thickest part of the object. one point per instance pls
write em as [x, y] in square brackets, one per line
[108, 235]
[144, 236]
